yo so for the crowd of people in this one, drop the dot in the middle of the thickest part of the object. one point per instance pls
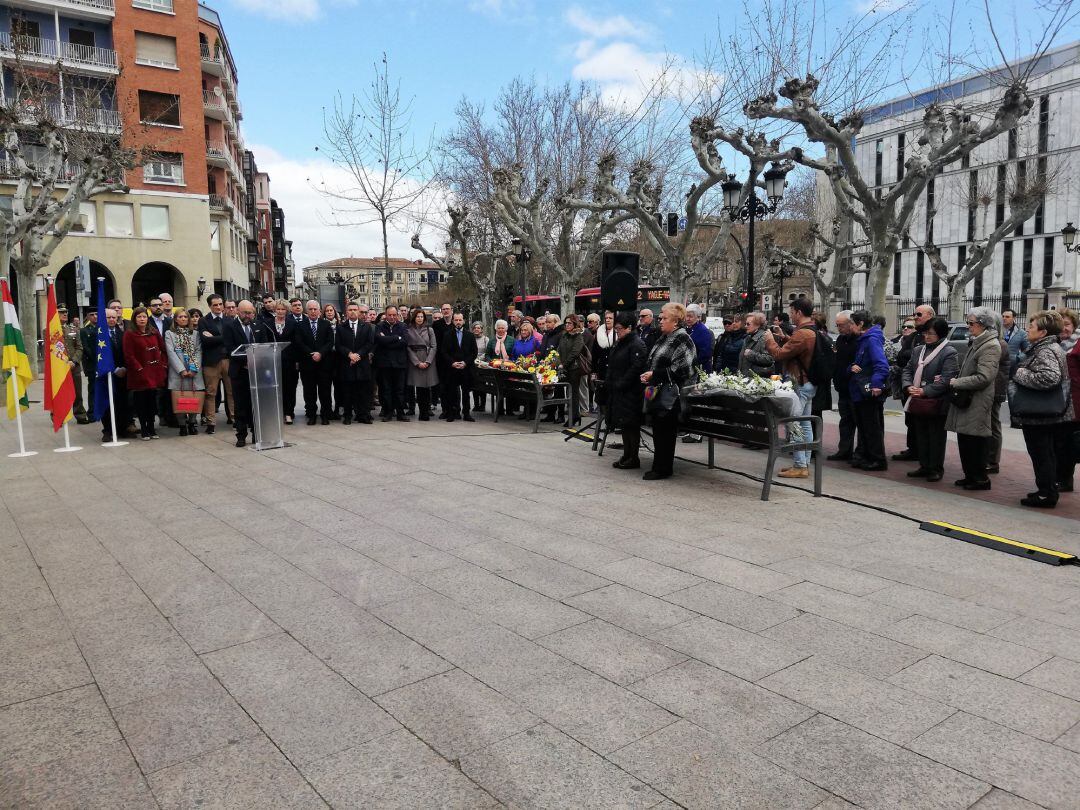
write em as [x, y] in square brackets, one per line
[408, 363]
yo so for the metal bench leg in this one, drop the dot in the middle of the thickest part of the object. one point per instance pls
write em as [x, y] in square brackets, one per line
[497, 403]
[712, 453]
[817, 473]
[536, 416]
[769, 473]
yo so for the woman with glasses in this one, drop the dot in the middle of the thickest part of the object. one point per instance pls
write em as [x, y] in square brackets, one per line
[926, 384]
[671, 360]
[971, 396]
[183, 349]
[144, 359]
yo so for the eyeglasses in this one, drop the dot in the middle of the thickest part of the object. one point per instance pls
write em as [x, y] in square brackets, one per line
[970, 323]
[909, 326]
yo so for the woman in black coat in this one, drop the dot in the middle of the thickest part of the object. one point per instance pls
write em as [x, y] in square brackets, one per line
[626, 362]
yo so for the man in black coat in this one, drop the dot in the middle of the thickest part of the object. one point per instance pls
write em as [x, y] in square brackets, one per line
[623, 389]
[215, 360]
[88, 338]
[458, 351]
[313, 344]
[240, 331]
[846, 346]
[290, 367]
[119, 381]
[355, 345]
[391, 357]
[266, 314]
[440, 326]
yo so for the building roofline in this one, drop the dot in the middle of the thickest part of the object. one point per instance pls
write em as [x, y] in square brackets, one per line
[211, 16]
[959, 88]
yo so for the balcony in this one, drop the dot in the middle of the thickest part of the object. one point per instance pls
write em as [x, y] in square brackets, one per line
[99, 10]
[218, 155]
[219, 204]
[39, 157]
[81, 118]
[35, 50]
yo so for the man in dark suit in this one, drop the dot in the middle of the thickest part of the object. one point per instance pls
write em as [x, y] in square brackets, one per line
[88, 338]
[313, 344]
[355, 345]
[458, 350]
[215, 361]
[290, 366]
[240, 331]
[440, 326]
[266, 314]
[119, 381]
[391, 356]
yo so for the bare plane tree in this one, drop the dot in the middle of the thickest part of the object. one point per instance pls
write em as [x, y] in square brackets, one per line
[58, 153]
[386, 173]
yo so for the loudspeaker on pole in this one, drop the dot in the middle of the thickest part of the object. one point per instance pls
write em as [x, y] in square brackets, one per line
[619, 280]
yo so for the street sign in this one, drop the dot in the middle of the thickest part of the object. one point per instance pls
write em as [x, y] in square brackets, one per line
[766, 302]
[682, 223]
[82, 280]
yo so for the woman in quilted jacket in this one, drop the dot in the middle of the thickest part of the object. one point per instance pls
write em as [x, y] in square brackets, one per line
[1043, 368]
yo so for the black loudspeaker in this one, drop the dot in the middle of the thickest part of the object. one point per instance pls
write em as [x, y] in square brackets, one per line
[619, 280]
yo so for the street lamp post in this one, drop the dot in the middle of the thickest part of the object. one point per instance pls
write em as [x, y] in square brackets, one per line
[752, 210]
[523, 256]
[779, 273]
[1068, 238]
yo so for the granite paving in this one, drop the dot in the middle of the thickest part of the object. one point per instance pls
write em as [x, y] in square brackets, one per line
[471, 616]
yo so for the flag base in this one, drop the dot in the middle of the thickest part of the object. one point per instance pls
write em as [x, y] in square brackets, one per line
[23, 454]
[66, 449]
[113, 444]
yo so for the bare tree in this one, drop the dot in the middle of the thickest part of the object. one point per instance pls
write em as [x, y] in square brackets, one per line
[386, 173]
[58, 151]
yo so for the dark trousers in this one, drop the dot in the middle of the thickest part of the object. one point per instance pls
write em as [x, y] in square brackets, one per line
[848, 431]
[665, 431]
[290, 379]
[355, 399]
[869, 415]
[243, 421]
[120, 406]
[164, 407]
[912, 439]
[1066, 454]
[410, 397]
[145, 408]
[316, 381]
[973, 455]
[423, 398]
[457, 391]
[1041, 442]
[479, 400]
[930, 441]
[392, 391]
[574, 381]
[631, 440]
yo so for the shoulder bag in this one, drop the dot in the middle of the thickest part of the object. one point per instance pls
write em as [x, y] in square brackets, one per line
[661, 398]
[1037, 403]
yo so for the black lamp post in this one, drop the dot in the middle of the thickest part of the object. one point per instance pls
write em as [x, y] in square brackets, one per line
[779, 273]
[1068, 238]
[523, 256]
[750, 211]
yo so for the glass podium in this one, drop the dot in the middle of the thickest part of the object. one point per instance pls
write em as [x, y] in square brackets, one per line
[264, 377]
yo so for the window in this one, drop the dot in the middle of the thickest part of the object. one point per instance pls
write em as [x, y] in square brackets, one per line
[162, 109]
[930, 205]
[155, 50]
[900, 156]
[215, 236]
[1006, 275]
[1044, 124]
[155, 221]
[87, 222]
[1029, 249]
[920, 281]
[965, 160]
[1012, 144]
[22, 27]
[164, 6]
[879, 149]
[999, 193]
[80, 36]
[119, 219]
[896, 274]
[165, 168]
[972, 203]
[1048, 262]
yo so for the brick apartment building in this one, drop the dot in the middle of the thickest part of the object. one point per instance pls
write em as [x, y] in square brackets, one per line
[168, 83]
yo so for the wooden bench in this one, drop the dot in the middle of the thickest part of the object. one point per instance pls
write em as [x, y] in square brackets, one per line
[717, 415]
[524, 387]
[486, 381]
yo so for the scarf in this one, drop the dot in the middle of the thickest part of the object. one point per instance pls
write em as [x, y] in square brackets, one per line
[185, 342]
[500, 346]
[605, 339]
[924, 361]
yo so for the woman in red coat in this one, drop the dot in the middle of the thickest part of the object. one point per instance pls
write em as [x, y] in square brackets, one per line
[144, 357]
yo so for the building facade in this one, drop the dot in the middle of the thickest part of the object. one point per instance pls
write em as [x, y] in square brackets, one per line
[970, 198]
[168, 86]
[366, 280]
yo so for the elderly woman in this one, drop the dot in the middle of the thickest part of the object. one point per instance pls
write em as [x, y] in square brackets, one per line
[971, 396]
[183, 349]
[1043, 368]
[671, 360]
[527, 343]
[1070, 440]
[926, 383]
[574, 356]
[755, 358]
[627, 361]
[479, 397]
[501, 345]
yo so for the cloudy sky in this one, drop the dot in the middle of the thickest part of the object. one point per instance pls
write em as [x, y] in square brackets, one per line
[293, 56]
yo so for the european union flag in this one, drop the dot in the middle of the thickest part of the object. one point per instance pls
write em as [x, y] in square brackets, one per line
[104, 359]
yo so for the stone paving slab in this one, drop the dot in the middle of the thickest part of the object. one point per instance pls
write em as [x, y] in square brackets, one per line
[303, 632]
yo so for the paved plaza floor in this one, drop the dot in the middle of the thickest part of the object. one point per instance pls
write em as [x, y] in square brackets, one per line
[426, 615]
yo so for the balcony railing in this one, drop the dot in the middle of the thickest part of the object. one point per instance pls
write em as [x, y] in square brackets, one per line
[68, 115]
[9, 169]
[102, 5]
[219, 203]
[70, 53]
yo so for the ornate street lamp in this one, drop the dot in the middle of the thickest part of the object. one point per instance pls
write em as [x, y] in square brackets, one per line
[1068, 237]
[523, 256]
[780, 272]
[753, 209]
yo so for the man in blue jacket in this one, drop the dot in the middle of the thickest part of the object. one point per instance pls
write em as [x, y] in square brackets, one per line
[869, 374]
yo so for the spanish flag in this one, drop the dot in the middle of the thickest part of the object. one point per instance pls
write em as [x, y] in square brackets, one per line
[16, 365]
[59, 386]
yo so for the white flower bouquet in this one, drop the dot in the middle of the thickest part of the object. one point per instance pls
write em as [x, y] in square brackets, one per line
[749, 389]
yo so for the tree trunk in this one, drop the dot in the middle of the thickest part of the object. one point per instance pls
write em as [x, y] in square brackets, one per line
[386, 263]
[567, 295]
[486, 309]
[677, 285]
[955, 306]
[877, 282]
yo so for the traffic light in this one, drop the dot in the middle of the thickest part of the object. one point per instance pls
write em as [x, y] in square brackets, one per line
[672, 224]
[743, 297]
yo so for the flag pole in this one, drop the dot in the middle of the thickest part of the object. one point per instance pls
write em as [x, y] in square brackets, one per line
[23, 452]
[67, 448]
[112, 418]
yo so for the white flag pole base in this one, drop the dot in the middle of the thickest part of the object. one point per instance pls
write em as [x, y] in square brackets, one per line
[23, 454]
[67, 448]
[113, 444]
[112, 416]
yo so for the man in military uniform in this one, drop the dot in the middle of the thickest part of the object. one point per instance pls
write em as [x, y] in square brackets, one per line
[88, 339]
[74, 348]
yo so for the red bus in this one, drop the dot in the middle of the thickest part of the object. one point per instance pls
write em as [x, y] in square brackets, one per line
[588, 300]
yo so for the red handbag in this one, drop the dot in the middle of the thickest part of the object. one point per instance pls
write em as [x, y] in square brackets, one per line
[926, 406]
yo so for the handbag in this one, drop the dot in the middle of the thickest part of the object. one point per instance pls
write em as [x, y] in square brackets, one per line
[1037, 403]
[961, 397]
[926, 406]
[661, 398]
[187, 401]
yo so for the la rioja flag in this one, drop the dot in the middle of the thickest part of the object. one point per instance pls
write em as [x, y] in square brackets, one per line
[59, 386]
[15, 364]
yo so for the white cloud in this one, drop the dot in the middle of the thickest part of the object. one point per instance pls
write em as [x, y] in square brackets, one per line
[613, 27]
[283, 9]
[308, 214]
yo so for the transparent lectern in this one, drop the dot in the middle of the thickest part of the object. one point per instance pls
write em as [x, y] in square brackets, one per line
[264, 377]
